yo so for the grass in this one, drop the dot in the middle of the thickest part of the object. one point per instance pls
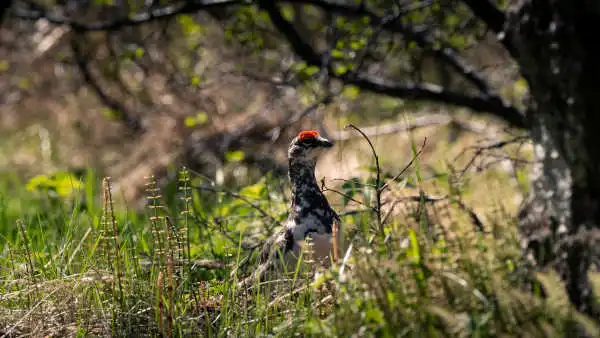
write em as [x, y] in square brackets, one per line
[77, 263]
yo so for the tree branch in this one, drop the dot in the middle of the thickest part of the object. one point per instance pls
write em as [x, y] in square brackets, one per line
[494, 18]
[80, 59]
[35, 12]
[431, 92]
[301, 47]
[445, 54]
[485, 102]
[488, 12]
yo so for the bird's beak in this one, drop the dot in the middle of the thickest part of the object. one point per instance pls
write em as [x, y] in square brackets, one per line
[325, 143]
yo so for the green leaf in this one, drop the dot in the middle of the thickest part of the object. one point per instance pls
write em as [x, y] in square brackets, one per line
[311, 70]
[189, 25]
[351, 92]
[523, 179]
[336, 53]
[38, 182]
[64, 184]
[189, 121]
[234, 156]
[356, 45]
[458, 41]
[139, 52]
[340, 69]
[199, 119]
[299, 66]
[369, 168]
[452, 20]
[111, 114]
[349, 188]
[257, 190]
[4, 65]
[521, 87]
[414, 252]
[374, 315]
[288, 12]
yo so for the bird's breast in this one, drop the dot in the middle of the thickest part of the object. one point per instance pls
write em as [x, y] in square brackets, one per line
[321, 245]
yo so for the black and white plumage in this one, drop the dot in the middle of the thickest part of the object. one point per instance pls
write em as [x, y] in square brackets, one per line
[310, 212]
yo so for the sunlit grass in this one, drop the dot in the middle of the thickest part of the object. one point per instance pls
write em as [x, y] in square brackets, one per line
[73, 266]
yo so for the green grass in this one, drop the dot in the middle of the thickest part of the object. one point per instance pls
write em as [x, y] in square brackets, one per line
[79, 264]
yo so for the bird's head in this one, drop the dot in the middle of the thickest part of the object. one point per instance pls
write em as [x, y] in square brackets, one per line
[307, 146]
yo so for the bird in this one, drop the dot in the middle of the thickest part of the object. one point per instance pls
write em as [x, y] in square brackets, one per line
[310, 214]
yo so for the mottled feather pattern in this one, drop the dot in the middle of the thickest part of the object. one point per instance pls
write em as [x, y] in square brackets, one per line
[310, 212]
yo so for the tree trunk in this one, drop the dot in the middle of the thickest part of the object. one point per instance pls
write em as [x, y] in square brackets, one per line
[4, 8]
[556, 48]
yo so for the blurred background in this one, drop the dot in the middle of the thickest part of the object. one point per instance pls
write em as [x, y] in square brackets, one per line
[139, 88]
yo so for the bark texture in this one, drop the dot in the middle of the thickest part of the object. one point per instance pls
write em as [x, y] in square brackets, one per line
[556, 47]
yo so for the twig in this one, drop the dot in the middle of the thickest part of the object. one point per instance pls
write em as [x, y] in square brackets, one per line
[479, 227]
[406, 167]
[378, 190]
[325, 188]
[132, 123]
[416, 198]
[479, 150]
[354, 182]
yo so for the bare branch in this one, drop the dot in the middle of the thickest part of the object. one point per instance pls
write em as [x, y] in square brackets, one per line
[494, 18]
[395, 178]
[80, 59]
[35, 12]
[432, 92]
[378, 189]
[482, 150]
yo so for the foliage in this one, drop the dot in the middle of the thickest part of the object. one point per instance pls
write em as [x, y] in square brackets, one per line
[103, 270]
[59, 184]
[85, 268]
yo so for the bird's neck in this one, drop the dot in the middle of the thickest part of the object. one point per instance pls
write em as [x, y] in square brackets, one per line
[304, 183]
[310, 210]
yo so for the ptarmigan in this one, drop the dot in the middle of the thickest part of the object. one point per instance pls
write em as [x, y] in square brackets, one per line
[310, 212]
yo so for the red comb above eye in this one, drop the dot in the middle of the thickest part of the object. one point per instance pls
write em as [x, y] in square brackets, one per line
[307, 134]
